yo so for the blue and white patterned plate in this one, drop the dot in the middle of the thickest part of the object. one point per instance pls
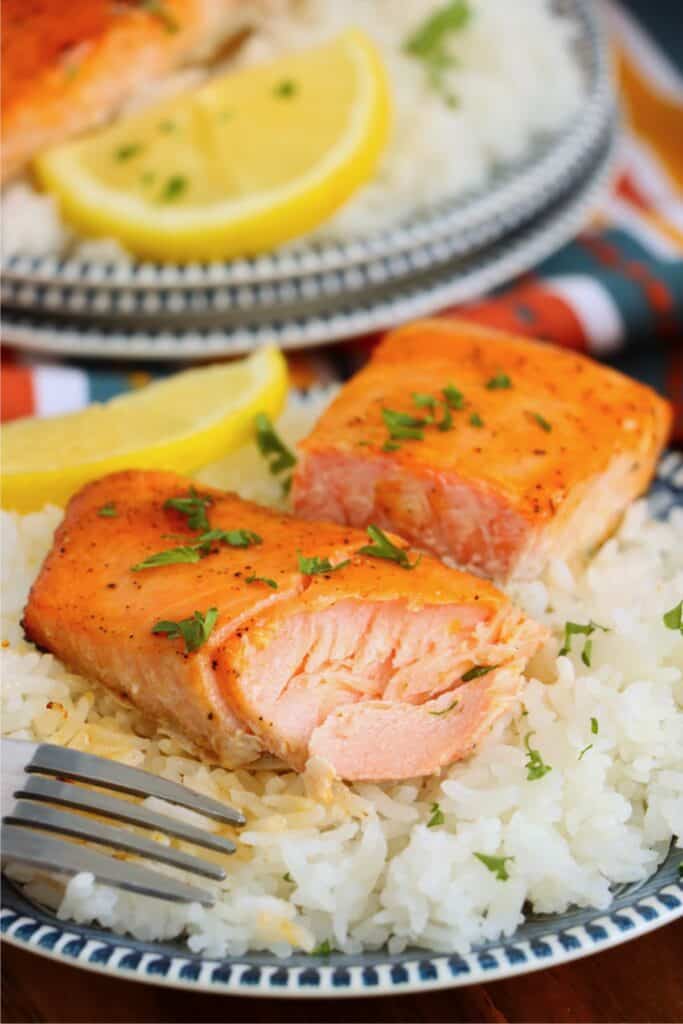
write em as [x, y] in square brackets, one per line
[517, 192]
[234, 320]
[544, 940]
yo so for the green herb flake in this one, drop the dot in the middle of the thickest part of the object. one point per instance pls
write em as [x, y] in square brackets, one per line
[167, 126]
[316, 566]
[438, 714]
[535, 765]
[402, 426]
[269, 444]
[159, 10]
[174, 187]
[578, 629]
[195, 631]
[477, 672]
[500, 382]
[673, 619]
[108, 511]
[233, 538]
[127, 151]
[172, 556]
[287, 878]
[285, 89]
[543, 423]
[585, 751]
[262, 579]
[446, 423]
[429, 43]
[594, 726]
[476, 420]
[193, 506]
[391, 446]
[453, 396]
[382, 547]
[322, 949]
[424, 401]
[496, 865]
[437, 816]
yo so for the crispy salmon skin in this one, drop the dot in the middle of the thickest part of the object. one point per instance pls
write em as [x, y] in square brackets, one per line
[492, 451]
[69, 68]
[385, 670]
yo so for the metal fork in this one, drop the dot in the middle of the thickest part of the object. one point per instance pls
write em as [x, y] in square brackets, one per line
[36, 777]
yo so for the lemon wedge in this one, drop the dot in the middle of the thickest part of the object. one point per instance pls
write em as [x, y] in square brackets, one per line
[181, 423]
[236, 166]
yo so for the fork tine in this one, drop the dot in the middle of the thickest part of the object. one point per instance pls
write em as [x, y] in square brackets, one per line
[29, 847]
[73, 764]
[51, 791]
[52, 820]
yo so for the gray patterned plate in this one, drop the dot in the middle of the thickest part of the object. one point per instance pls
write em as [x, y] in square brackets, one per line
[544, 940]
[230, 321]
[517, 193]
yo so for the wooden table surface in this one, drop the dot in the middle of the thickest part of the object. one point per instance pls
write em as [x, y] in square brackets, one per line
[640, 981]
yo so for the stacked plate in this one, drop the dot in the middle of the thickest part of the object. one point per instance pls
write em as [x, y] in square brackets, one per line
[311, 293]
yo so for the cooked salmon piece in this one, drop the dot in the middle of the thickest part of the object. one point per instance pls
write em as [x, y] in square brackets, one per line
[490, 451]
[384, 670]
[68, 68]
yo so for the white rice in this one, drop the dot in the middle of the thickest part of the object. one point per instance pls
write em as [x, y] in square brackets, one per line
[358, 865]
[515, 75]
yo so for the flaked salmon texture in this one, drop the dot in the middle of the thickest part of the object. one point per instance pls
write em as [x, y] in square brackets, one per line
[382, 671]
[525, 451]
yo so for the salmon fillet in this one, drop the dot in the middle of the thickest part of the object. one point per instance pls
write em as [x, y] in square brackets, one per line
[534, 452]
[67, 71]
[384, 671]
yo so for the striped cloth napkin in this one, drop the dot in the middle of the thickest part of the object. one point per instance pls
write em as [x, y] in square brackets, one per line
[616, 291]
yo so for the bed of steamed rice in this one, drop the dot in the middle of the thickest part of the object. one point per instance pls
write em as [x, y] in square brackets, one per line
[515, 75]
[359, 866]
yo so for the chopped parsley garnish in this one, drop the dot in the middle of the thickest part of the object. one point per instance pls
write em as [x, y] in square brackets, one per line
[159, 10]
[429, 42]
[673, 619]
[382, 547]
[269, 444]
[542, 422]
[128, 151]
[594, 726]
[286, 89]
[287, 877]
[194, 507]
[233, 538]
[200, 548]
[437, 816]
[195, 631]
[424, 401]
[286, 485]
[535, 765]
[454, 398]
[576, 628]
[500, 382]
[477, 671]
[447, 422]
[314, 566]
[391, 446]
[476, 420]
[262, 579]
[437, 714]
[174, 187]
[322, 949]
[108, 511]
[495, 865]
[172, 556]
[402, 426]
[585, 751]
